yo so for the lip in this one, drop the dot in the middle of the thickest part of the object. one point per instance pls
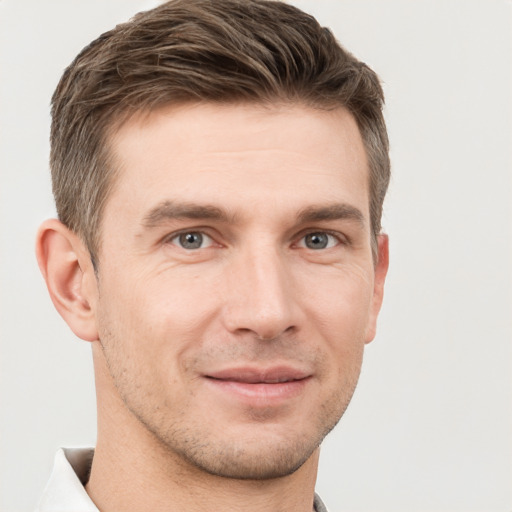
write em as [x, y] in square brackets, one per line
[251, 375]
[259, 386]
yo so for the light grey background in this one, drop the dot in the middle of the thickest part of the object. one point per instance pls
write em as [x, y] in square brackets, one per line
[430, 426]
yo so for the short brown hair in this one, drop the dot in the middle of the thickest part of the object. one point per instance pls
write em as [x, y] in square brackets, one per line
[221, 51]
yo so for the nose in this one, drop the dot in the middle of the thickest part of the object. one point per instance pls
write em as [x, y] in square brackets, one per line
[261, 299]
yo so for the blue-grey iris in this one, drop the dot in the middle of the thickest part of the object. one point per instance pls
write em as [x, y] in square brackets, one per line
[191, 240]
[316, 240]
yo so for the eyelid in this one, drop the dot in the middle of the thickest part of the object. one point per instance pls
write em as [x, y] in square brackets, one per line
[340, 237]
[171, 237]
[206, 232]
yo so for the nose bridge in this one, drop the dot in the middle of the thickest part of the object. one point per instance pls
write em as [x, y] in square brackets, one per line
[262, 294]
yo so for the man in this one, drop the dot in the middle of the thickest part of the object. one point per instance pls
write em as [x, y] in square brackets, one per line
[219, 170]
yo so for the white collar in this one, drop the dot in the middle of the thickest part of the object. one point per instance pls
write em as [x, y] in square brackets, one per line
[65, 490]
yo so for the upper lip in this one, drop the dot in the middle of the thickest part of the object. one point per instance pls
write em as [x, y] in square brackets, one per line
[251, 375]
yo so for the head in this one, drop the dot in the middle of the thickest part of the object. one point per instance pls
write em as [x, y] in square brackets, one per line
[224, 52]
[219, 170]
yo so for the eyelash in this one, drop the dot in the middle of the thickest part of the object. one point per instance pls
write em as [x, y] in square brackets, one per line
[176, 236]
[340, 239]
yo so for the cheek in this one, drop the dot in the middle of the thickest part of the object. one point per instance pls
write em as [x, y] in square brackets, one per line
[340, 301]
[159, 318]
[339, 313]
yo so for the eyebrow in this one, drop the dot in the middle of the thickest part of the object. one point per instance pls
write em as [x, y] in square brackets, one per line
[169, 210]
[338, 211]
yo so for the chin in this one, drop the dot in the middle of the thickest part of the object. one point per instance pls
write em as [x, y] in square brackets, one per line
[263, 453]
[259, 462]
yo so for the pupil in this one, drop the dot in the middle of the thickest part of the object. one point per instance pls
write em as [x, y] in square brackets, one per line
[317, 241]
[191, 240]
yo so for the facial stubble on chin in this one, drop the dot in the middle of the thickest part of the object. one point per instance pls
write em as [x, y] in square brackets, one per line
[228, 458]
[263, 463]
[195, 447]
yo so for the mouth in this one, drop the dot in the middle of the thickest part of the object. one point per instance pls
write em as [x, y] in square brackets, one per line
[260, 384]
[249, 375]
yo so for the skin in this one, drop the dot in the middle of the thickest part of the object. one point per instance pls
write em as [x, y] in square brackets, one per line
[191, 342]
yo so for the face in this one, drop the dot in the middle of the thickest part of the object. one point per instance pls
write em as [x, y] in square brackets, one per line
[236, 285]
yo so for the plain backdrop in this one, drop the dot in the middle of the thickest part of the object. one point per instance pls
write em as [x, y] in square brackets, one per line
[430, 426]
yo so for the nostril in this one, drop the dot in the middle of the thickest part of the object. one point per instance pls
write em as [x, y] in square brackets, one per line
[265, 338]
[273, 335]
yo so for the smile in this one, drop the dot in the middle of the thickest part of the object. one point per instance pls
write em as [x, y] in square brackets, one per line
[260, 386]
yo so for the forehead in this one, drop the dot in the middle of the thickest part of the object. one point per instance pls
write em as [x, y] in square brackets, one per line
[240, 155]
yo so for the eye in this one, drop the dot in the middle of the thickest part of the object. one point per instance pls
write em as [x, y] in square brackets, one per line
[191, 240]
[319, 240]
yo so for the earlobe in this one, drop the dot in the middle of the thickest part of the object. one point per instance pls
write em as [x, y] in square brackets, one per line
[381, 270]
[69, 275]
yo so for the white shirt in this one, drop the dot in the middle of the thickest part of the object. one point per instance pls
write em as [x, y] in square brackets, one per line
[65, 490]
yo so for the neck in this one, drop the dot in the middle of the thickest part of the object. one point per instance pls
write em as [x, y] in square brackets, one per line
[132, 471]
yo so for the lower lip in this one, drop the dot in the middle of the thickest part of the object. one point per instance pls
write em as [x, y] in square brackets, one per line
[264, 392]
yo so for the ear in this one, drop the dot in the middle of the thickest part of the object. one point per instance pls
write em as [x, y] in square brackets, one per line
[67, 269]
[381, 270]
